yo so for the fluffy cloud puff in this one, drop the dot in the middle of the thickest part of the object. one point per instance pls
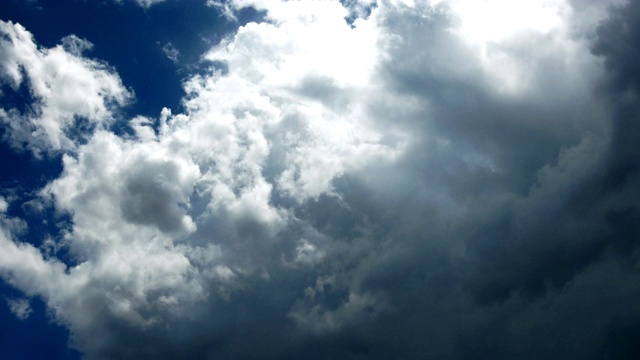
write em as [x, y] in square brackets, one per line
[398, 185]
[70, 93]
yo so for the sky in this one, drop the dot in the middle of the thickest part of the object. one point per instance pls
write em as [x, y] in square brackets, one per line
[355, 179]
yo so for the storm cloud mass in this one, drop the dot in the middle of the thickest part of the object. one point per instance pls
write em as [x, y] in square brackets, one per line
[344, 180]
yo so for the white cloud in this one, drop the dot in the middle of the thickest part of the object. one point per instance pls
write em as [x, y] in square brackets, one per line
[20, 308]
[496, 20]
[318, 79]
[143, 3]
[171, 52]
[75, 45]
[225, 7]
[67, 89]
[148, 3]
[288, 118]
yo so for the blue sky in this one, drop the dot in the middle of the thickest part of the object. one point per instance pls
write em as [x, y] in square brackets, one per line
[416, 179]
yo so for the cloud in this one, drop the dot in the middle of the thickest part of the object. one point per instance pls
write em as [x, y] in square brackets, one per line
[148, 3]
[20, 308]
[144, 3]
[3, 204]
[225, 7]
[171, 52]
[75, 45]
[69, 94]
[394, 185]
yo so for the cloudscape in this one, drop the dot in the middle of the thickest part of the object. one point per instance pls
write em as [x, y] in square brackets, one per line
[355, 179]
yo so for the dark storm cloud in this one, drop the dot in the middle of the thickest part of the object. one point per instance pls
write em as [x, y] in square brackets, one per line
[508, 255]
[618, 42]
[552, 215]
[559, 234]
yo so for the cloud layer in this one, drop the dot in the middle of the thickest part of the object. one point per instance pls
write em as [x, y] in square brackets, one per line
[348, 180]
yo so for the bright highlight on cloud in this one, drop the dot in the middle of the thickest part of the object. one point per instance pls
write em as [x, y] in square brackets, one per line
[401, 179]
[497, 20]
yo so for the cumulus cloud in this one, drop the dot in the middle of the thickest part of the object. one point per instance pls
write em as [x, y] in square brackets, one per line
[70, 93]
[359, 181]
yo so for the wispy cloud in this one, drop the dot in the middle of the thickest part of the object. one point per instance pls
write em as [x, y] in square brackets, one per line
[20, 308]
[171, 52]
